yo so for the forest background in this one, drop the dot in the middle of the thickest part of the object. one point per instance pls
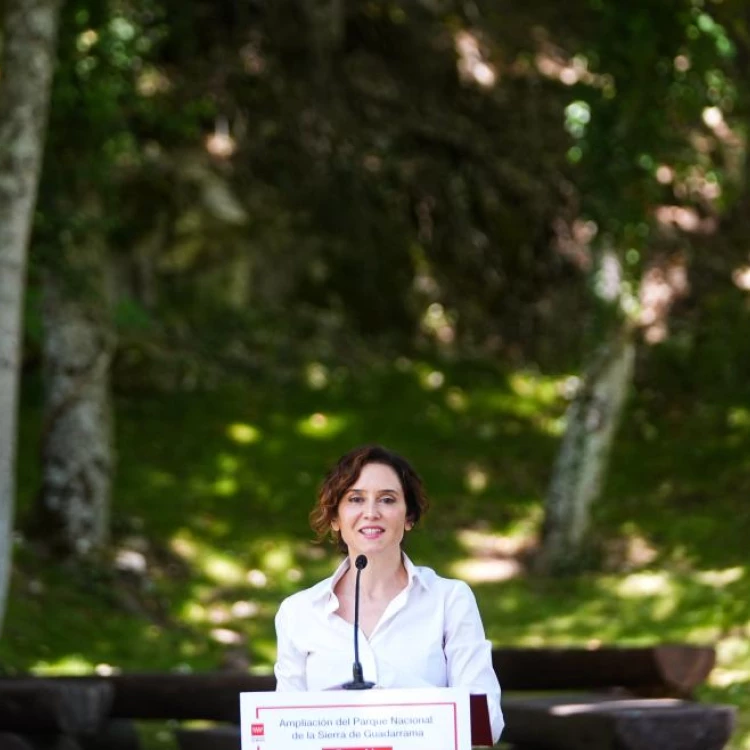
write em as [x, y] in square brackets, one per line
[509, 241]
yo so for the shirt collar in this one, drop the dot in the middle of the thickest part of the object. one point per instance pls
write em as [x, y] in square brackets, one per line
[326, 592]
[414, 573]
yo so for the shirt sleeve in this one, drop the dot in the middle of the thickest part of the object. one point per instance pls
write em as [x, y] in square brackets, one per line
[468, 653]
[290, 661]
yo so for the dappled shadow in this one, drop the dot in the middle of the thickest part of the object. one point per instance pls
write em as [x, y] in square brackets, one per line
[687, 497]
[651, 605]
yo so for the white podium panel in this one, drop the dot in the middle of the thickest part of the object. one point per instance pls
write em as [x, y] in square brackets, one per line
[415, 719]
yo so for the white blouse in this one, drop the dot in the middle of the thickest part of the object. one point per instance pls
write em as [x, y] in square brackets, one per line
[430, 635]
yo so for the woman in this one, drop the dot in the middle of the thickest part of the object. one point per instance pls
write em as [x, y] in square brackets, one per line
[420, 630]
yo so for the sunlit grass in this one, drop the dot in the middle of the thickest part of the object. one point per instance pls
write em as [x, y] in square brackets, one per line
[222, 569]
[321, 426]
[245, 434]
[73, 664]
[646, 584]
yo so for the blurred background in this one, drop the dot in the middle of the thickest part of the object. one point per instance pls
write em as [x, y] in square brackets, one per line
[510, 241]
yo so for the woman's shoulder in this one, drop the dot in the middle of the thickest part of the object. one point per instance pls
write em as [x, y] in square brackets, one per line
[449, 586]
[306, 597]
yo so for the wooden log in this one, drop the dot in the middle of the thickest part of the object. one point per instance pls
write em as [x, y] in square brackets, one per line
[666, 671]
[10, 741]
[116, 734]
[595, 723]
[52, 742]
[65, 706]
[213, 738]
[212, 696]
[37, 742]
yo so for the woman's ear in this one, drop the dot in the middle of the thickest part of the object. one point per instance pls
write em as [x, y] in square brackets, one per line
[335, 525]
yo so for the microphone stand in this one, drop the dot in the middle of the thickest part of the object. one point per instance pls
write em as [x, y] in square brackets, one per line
[358, 682]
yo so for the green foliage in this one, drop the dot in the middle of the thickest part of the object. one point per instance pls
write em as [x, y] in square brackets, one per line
[100, 89]
[111, 101]
[130, 316]
[654, 69]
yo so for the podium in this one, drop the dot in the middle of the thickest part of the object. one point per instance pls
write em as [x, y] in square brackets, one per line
[481, 729]
[378, 719]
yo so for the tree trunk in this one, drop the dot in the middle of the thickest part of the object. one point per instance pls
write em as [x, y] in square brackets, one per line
[72, 513]
[28, 54]
[592, 420]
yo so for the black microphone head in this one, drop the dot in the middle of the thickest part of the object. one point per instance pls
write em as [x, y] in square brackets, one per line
[361, 562]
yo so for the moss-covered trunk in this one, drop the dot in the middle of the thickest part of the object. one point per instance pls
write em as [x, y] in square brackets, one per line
[591, 423]
[73, 509]
[28, 54]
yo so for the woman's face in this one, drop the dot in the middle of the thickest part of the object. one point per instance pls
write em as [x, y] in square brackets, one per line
[371, 517]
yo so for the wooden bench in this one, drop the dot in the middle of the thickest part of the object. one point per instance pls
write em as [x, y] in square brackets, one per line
[51, 714]
[641, 700]
[666, 671]
[596, 722]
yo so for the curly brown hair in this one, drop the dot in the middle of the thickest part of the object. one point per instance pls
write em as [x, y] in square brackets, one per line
[343, 475]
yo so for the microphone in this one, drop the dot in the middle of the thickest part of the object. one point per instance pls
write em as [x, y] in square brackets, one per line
[358, 682]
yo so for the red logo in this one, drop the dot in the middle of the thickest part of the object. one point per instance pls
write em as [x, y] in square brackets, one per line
[257, 730]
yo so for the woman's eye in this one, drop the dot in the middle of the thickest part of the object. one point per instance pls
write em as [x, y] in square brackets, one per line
[355, 499]
[388, 499]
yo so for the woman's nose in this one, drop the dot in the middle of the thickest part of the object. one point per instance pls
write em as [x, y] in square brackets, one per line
[372, 510]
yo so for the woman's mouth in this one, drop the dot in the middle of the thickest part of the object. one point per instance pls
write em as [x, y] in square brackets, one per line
[371, 532]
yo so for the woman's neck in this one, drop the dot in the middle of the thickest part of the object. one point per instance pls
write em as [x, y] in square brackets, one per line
[383, 575]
